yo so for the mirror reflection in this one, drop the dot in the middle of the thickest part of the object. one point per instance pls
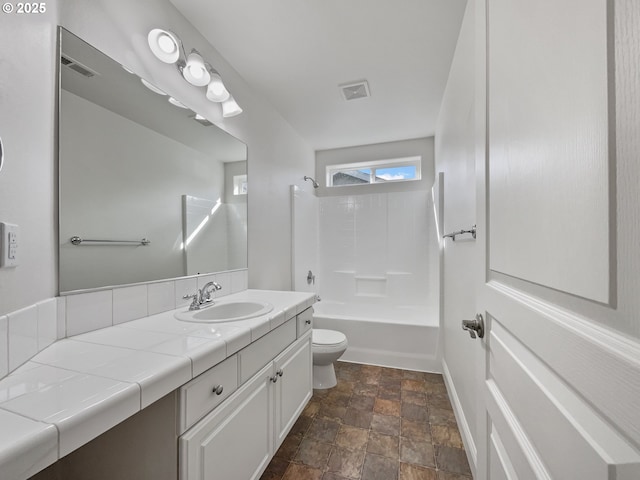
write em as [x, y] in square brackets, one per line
[134, 166]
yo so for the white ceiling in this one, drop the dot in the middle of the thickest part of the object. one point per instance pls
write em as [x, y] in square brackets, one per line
[295, 53]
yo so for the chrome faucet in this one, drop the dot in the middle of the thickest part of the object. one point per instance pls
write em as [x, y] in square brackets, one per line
[202, 297]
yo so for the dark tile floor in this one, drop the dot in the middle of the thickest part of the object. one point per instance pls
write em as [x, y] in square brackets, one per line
[376, 424]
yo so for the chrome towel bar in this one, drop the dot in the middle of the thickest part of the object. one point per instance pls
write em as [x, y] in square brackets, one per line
[453, 235]
[79, 241]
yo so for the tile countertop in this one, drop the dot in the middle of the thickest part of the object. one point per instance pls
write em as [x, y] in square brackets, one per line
[80, 387]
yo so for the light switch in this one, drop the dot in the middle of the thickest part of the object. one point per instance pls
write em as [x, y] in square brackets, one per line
[9, 245]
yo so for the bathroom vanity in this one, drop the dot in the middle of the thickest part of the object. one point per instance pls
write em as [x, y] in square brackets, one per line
[218, 406]
[237, 437]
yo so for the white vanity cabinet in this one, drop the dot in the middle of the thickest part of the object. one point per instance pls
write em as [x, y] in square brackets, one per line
[293, 389]
[235, 441]
[238, 438]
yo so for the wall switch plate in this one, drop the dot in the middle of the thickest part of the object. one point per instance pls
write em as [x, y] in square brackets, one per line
[9, 245]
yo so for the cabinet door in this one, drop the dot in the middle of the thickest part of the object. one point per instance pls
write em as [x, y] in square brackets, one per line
[294, 387]
[235, 441]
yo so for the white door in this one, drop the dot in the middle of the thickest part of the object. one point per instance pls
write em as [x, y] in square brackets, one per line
[558, 228]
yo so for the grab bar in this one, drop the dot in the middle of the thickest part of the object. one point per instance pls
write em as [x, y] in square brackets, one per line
[453, 235]
[75, 240]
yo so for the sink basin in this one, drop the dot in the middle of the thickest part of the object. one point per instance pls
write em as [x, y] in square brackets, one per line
[226, 312]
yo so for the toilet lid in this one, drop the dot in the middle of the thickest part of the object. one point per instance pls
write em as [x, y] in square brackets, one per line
[327, 337]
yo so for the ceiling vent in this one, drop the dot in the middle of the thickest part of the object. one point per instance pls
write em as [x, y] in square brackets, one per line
[354, 90]
[77, 66]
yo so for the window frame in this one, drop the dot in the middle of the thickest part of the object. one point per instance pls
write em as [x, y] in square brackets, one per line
[411, 161]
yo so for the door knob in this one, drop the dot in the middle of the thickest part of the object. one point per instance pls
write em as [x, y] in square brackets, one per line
[475, 326]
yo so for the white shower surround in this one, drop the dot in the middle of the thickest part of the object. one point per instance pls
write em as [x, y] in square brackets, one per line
[378, 266]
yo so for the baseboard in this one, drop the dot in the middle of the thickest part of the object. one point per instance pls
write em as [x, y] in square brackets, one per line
[406, 361]
[463, 425]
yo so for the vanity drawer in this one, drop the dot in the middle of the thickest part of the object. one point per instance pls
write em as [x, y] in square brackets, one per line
[265, 349]
[305, 321]
[199, 396]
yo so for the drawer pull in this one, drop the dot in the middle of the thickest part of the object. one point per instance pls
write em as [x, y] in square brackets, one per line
[308, 322]
[218, 389]
[279, 373]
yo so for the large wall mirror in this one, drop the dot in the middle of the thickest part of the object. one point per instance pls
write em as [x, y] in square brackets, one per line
[147, 190]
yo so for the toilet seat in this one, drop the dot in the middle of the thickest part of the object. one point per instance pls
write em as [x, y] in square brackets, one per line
[327, 337]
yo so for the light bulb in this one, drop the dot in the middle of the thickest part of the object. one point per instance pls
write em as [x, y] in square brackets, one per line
[177, 103]
[164, 45]
[230, 108]
[152, 87]
[195, 72]
[216, 91]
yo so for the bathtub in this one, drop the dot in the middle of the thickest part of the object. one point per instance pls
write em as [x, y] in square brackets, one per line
[392, 336]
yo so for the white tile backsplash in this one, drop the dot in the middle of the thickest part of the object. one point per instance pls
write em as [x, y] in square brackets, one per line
[47, 322]
[23, 336]
[62, 317]
[185, 286]
[161, 297]
[4, 345]
[129, 303]
[204, 279]
[26, 332]
[224, 280]
[89, 311]
[239, 281]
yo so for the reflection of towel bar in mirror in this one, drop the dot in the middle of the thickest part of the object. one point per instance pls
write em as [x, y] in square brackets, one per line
[453, 235]
[79, 241]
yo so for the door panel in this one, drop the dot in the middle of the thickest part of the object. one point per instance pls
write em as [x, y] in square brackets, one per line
[582, 446]
[209, 450]
[602, 365]
[559, 385]
[294, 388]
[500, 467]
[548, 139]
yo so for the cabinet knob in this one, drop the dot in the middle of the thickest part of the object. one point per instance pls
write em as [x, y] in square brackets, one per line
[308, 322]
[218, 389]
[274, 379]
[280, 372]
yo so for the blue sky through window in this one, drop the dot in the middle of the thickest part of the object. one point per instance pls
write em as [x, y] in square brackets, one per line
[397, 173]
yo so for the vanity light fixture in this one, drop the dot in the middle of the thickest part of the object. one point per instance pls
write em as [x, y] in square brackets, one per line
[216, 91]
[165, 45]
[230, 108]
[195, 71]
[152, 87]
[177, 103]
[168, 48]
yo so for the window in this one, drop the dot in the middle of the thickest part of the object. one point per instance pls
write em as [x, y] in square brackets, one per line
[380, 171]
[240, 184]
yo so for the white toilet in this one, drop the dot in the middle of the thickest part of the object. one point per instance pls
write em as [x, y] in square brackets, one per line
[327, 347]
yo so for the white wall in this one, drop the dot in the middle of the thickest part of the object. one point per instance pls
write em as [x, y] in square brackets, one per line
[27, 193]
[455, 156]
[277, 154]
